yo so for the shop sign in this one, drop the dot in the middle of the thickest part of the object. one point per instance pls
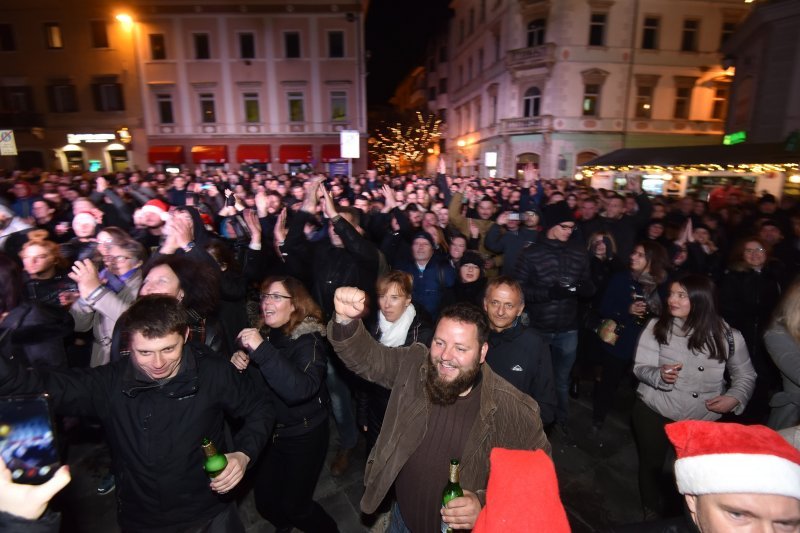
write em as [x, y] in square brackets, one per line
[736, 137]
[8, 145]
[350, 141]
[77, 138]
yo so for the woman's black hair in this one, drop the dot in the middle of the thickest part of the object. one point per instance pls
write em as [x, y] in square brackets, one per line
[706, 329]
[198, 279]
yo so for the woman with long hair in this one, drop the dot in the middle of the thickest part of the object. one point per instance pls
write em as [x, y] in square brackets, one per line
[398, 323]
[749, 292]
[630, 299]
[782, 340]
[681, 362]
[291, 353]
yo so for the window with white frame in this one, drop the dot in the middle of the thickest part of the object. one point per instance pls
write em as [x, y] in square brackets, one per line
[252, 109]
[208, 112]
[296, 102]
[338, 106]
[165, 112]
[532, 102]
[536, 32]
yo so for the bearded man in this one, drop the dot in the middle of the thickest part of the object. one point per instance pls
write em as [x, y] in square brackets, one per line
[445, 404]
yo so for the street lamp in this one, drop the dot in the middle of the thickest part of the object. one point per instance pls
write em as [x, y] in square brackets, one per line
[125, 19]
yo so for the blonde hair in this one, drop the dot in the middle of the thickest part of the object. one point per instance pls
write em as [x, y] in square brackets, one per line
[38, 237]
[788, 312]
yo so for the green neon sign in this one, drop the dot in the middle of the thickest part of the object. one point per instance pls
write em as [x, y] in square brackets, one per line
[735, 137]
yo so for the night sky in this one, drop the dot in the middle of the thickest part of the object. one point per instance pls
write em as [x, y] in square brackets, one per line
[397, 34]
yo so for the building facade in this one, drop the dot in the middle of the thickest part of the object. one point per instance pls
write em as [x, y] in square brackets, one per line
[264, 84]
[765, 51]
[558, 82]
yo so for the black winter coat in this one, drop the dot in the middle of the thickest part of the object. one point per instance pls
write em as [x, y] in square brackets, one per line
[294, 367]
[155, 431]
[520, 356]
[329, 267]
[539, 269]
[36, 334]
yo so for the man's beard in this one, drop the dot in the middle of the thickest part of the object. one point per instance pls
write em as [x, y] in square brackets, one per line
[442, 392]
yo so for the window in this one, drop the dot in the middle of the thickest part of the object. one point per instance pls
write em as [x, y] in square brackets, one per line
[52, 35]
[536, 30]
[532, 102]
[442, 85]
[683, 97]
[165, 115]
[442, 113]
[158, 48]
[335, 44]
[99, 31]
[17, 99]
[7, 41]
[482, 13]
[460, 31]
[493, 104]
[291, 45]
[591, 99]
[461, 75]
[469, 69]
[252, 112]
[650, 33]
[339, 105]
[727, 30]
[247, 46]
[480, 60]
[431, 93]
[63, 97]
[107, 96]
[719, 108]
[208, 113]
[296, 107]
[497, 47]
[689, 36]
[644, 101]
[202, 48]
[471, 20]
[443, 54]
[597, 29]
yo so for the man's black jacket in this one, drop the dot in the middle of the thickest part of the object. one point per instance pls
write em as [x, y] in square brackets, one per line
[155, 431]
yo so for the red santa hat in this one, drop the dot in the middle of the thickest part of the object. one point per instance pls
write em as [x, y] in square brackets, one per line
[718, 458]
[158, 207]
[522, 476]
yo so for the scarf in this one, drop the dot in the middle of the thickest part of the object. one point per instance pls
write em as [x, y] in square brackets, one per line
[394, 333]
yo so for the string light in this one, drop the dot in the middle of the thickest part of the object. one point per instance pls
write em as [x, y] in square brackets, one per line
[402, 147]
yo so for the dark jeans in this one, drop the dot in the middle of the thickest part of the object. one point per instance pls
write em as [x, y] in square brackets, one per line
[656, 457]
[396, 524]
[287, 475]
[614, 371]
[563, 350]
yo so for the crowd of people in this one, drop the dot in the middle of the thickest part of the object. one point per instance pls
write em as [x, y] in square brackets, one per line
[438, 317]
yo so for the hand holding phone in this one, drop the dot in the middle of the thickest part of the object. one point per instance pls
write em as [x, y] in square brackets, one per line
[27, 439]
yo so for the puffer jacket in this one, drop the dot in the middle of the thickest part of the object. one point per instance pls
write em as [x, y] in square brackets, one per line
[540, 267]
[294, 368]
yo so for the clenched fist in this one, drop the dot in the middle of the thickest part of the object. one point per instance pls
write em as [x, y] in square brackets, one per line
[349, 303]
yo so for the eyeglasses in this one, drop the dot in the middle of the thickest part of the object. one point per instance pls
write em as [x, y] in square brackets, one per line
[567, 227]
[274, 297]
[116, 258]
[754, 250]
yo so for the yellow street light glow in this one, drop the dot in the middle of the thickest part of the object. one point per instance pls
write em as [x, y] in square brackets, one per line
[125, 19]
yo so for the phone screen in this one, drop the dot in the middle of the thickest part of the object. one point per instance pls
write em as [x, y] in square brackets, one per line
[27, 440]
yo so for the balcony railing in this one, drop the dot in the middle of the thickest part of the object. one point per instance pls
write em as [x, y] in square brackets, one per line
[527, 124]
[532, 57]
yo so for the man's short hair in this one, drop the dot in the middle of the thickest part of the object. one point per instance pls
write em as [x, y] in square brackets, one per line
[155, 316]
[505, 280]
[352, 212]
[469, 314]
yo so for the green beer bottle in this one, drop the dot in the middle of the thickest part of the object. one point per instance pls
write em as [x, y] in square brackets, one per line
[451, 490]
[215, 462]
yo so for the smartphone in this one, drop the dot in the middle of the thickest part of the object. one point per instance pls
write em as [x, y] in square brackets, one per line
[27, 438]
[513, 216]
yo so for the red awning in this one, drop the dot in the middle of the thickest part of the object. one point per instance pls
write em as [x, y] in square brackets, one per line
[331, 152]
[160, 155]
[253, 153]
[210, 153]
[295, 153]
